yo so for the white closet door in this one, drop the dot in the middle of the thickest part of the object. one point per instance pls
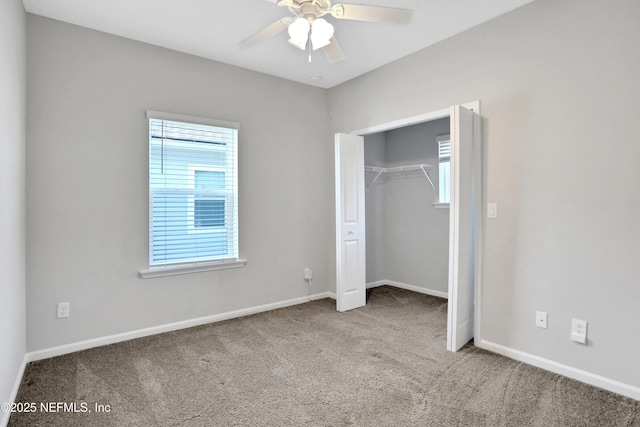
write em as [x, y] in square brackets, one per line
[461, 238]
[350, 222]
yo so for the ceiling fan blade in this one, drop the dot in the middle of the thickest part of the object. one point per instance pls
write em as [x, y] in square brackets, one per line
[267, 32]
[358, 12]
[333, 51]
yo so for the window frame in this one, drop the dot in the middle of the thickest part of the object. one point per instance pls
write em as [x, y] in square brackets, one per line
[198, 264]
[444, 171]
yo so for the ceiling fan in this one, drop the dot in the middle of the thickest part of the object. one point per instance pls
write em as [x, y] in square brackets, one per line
[309, 30]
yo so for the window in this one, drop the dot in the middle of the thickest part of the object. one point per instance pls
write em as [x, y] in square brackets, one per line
[193, 193]
[207, 206]
[444, 168]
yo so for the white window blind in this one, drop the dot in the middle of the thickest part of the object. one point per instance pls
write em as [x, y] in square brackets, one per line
[193, 190]
[444, 168]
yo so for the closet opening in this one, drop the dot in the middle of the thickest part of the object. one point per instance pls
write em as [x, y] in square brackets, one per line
[388, 163]
[407, 216]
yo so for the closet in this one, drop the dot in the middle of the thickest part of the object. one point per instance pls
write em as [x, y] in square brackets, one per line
[405, 248]
[407, 230]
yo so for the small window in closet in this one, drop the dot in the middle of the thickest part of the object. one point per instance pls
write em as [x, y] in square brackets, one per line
[444, 168]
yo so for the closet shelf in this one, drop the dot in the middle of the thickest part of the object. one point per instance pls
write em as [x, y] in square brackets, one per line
[419, 167]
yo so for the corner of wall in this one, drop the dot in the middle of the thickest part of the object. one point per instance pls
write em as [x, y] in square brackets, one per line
[12, 194]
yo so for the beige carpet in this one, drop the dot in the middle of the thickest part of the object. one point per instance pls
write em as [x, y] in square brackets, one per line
[308, 365]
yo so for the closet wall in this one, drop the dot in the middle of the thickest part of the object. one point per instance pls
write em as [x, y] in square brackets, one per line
[407, 238]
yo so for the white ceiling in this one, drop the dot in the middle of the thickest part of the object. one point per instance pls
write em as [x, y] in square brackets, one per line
[214, 28]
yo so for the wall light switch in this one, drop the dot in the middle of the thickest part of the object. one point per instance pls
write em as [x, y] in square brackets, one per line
[492, 210]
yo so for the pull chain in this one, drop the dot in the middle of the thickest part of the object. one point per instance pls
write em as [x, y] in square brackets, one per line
[309, 43]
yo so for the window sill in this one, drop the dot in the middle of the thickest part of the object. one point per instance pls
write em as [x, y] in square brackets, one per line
[439, 205]
[192, 268]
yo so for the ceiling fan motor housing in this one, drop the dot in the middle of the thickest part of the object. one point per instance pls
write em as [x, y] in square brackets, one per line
[309, 9]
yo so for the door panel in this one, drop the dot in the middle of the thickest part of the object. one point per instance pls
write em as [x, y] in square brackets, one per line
[461, 237]
[350, 222]
[351, 257]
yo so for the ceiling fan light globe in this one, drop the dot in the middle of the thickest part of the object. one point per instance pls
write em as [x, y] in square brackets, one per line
[299, 31]
[322, 29]
[321, 33]
[301, 46]
[317, 43]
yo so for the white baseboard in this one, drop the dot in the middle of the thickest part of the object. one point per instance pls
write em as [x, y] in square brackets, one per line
[564, 370]
[408, 287]
[322, 295]
[125, 336]
[4, 418]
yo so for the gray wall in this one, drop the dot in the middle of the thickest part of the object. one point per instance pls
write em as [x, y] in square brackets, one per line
[560, 94]
[407, 238]
[12, 195]
[87, 199]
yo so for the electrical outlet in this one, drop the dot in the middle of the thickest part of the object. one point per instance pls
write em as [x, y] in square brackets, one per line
[579, 331]
[308, 274]
[541, 319]
[63, 310]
